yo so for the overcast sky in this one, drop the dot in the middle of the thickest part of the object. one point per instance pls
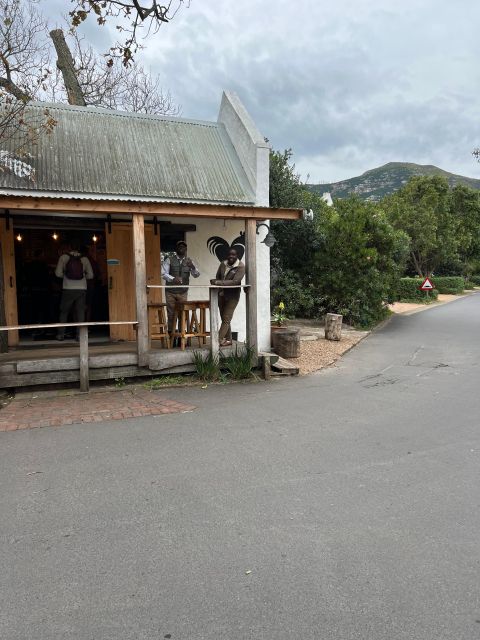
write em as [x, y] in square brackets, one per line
[347, 84]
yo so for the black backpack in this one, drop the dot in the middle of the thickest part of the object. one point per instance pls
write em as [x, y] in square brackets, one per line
[74, 269]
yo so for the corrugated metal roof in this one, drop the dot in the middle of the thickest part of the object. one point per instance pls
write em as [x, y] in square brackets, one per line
[108, 153]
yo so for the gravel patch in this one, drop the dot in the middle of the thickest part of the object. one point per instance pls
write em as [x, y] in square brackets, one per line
[323, 353]
[316, 352]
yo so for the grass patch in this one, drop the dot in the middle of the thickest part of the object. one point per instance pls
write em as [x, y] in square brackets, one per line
[165, 381]
[419, 301]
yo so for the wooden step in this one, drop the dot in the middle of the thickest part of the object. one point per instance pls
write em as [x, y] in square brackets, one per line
[284, 367]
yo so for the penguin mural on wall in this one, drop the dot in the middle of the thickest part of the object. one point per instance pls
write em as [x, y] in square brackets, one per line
[219, 247]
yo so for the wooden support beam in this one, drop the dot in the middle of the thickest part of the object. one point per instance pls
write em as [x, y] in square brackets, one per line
[92, 206]
[214, 324]
[84, 376]
[3, 317]
[140, 272]
[251, 274]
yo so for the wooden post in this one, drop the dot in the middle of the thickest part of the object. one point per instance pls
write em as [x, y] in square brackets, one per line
[267, 367]
[84, 377]
[214, 324]
[139, 267]
[3, 317]
[333, 326]
[251, 273]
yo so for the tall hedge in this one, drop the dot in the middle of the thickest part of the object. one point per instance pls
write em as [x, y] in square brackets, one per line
[449, 284]
[408, 290]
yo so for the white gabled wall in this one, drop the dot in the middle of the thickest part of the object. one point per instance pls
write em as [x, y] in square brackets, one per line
[254, 155]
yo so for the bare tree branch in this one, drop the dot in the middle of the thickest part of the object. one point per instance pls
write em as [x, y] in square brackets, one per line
[24, 67]
[113, 86]
[26, 72]
[130, 17]
[16, 92]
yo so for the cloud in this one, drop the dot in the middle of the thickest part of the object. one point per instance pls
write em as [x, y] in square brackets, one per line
[347, 85]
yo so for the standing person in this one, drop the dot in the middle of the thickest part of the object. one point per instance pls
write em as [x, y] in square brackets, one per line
[75, 270]
[176, 270]
[91, 284]
[230, 274]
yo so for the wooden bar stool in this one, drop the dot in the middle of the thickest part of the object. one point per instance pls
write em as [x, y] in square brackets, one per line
[202, 307]
[159, 329]
[190, 325]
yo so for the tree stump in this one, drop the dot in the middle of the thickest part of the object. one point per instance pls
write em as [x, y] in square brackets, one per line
[286, 343]
[333, 326]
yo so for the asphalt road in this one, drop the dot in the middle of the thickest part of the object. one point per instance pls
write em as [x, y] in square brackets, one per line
[340, 506]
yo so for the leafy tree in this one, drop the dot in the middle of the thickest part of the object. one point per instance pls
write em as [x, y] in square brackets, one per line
[363, 257]
[422, 209]
[347, 259]
[286, 189]
[465, 205]
[296, 241]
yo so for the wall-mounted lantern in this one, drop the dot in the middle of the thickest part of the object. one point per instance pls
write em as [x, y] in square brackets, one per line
[269, 239]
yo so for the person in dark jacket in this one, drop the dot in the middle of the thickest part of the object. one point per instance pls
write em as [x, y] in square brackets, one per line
[176, 270]
[230, 274]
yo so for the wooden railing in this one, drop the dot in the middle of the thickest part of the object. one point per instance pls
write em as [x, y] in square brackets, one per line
[83, 340]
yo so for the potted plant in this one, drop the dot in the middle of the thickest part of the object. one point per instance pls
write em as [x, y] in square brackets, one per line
[279, 319]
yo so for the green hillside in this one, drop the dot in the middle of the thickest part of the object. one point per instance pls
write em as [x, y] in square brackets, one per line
[377, 183]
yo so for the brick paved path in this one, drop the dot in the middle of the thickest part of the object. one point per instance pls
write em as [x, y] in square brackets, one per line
[27, 412]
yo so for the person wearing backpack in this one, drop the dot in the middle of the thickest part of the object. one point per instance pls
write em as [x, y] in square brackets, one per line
[75, 270]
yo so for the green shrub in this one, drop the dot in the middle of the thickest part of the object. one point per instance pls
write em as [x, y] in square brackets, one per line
[408, 290]
[469, 285]
[475, 280]
[207, 366]
[449, 284]
[298, 297]
[239, 364]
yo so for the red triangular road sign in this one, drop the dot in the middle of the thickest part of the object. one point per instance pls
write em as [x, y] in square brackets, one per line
[427, 285]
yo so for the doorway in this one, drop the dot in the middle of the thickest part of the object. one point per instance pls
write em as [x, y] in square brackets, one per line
[38, 245]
